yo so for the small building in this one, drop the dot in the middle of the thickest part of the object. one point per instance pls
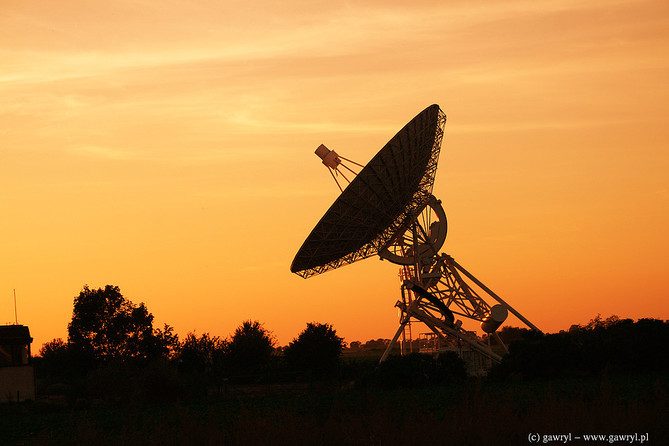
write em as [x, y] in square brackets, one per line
[17, 375]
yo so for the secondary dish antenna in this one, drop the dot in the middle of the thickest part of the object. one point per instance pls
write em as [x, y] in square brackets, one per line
[388, 210]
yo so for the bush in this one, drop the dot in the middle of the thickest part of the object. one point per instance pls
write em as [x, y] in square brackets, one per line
[603, 345]
[250, 349]
[418, 369]
[317, 349]
[202, 354]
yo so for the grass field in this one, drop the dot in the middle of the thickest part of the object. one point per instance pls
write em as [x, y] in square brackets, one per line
[475, 412]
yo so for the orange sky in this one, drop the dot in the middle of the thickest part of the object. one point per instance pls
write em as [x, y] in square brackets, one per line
[167, 148]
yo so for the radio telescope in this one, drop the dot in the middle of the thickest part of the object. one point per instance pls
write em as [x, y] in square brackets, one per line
[388, 210]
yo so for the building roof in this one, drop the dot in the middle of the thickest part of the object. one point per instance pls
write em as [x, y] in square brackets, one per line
[15, 334]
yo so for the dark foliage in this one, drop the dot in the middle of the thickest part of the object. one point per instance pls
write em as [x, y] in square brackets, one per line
[509, 334]
[106, 326]
[54, 358]
[204, 354]
[111, 347]
[376, 344]
[417, 369]
[450, 367]
[160, 382]
[603, 345]
[472, 413]
[166, 345]
[143, 365]
[250, 349]
[317, 349]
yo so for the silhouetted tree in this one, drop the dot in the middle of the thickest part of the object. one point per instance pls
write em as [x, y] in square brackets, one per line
[200, 361]
[509, 334]
[54, 359]
[450, 367]
[378, 344]
[166, 343]
[418, 369]
[250, 348]
[54, 347]
[414, 369]
[602, 345]
[317, 348]
[105, 325]
[201, 354]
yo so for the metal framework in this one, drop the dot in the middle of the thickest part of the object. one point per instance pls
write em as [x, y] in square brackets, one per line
[379, 201]
[388, 209]
[436, 289]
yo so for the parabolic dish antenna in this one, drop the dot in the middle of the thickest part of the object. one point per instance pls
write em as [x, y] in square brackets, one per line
[379, 201]
[388, 209]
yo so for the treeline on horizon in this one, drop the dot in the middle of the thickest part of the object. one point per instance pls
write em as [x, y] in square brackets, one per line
[113, 353]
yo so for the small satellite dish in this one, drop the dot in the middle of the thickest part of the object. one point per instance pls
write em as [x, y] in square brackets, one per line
[388, 210]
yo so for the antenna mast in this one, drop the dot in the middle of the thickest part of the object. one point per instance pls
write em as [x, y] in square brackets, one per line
[16, 317]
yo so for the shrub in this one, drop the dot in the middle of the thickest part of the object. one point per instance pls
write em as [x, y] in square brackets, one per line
[317, 349]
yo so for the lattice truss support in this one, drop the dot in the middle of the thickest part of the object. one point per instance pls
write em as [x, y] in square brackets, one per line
[440, 293]
[437, 313]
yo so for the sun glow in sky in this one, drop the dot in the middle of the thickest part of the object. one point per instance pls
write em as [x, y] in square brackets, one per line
[167, 148]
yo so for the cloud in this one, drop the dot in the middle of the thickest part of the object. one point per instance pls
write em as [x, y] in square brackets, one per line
[110, 153]
[122, 40]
